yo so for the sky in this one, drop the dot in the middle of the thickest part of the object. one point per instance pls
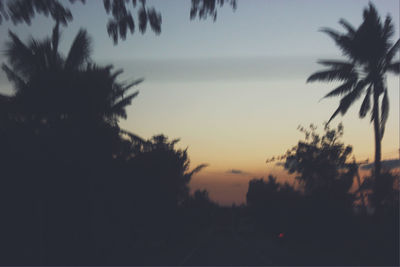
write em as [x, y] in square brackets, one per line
[234, 91]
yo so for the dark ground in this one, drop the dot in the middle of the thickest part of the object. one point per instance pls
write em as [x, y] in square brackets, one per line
[233, 240]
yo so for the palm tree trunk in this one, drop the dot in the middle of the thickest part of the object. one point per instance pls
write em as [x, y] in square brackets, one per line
[377, 131]
[377, 163]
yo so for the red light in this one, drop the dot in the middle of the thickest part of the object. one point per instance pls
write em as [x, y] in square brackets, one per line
[281, 235]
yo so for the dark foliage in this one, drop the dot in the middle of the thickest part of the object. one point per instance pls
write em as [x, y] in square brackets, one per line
[204, 8]
[383, 193]
[271, 203]
[321, 161]
[321, 217]
[76, 189]
[370, 55]
[121, 11]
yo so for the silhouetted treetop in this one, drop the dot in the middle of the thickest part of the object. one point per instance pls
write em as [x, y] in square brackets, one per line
[38, 56]
[370, 52]
[205, 8]
[321, 161]
[163, 170]
[122, 19]
[50, 85]
[270, 201]
[24, 10]
[260, 191]
[121, 11]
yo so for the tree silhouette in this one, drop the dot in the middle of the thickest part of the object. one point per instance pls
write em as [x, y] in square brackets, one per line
[200, 199]
[159, 176]
[117, 27]
[321, 162]
[370, 54]
[59, 138]
[52, 88]
[205, 8]
[121, 20]
[260, 192]
[166, 169]
[273, 205]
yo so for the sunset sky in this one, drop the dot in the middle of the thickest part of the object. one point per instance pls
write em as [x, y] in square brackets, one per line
[233, 91]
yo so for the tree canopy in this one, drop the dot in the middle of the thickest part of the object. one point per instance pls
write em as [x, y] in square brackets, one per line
[121, 13]
[370, 53]
[321, 162]
[50, 87]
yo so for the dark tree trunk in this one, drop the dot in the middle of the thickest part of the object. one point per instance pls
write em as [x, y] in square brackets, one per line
[377, 163]
[377, 131]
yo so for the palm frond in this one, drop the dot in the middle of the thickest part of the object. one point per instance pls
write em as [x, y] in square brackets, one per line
[118, 108]
[334, 114]
[344, 42]
[349, 99]
[335, 35]
[121, 89]
[155, 20]
[366, 104]
[112, 30]
[55, 40]
[197, 169]
[384, 112]
[350, 29]
[392, 51]
[80, 50]
[333, 75]
[134, 83]
[115, 74]
[388, 28]
[142, 15]
[370, 12]
[107, 5]
[342, 89]
[337, 64]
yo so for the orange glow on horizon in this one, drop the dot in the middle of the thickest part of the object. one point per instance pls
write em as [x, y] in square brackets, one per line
[226, 187]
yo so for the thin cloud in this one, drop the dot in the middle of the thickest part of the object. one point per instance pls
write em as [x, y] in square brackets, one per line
[236, 171]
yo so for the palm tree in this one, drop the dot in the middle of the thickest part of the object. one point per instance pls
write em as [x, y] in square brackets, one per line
[370, 56]
[63, 115]
[51, 86]
[38, 56]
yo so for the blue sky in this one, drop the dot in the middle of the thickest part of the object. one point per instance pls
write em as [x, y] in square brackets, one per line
[235, 90]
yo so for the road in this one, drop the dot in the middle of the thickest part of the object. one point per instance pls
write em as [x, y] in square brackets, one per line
[223, 247]
[223, 243]
[227, 244]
